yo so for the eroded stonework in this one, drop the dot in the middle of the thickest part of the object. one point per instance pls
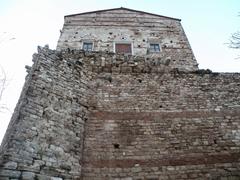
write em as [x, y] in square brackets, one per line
[101, 115]
[96, 115]
[106, 28]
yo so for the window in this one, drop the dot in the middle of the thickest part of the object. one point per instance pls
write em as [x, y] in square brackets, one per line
[154, 48]
[125, 48]
[87, 46]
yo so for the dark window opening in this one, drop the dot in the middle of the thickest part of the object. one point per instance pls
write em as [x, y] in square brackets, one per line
[116, 146]
[154, 48]
[123, 48]
[87, 46]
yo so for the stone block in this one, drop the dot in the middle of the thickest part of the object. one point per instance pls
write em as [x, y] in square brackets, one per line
[28, 175]
[10, 173]
[56, 178]
[10, 165]
[42, 177]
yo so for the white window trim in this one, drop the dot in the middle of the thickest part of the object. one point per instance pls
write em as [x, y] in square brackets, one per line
[122, 42]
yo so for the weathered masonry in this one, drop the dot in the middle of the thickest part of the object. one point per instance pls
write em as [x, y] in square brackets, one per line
[130, 32]
[90, 113]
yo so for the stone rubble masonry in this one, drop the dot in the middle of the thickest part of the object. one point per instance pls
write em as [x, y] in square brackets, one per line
[140, 29]
[97, 115]
[44, 139]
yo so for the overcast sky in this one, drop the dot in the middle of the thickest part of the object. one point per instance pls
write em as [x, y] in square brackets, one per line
[25, 24]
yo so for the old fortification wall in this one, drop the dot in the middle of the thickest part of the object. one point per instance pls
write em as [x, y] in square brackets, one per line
[105, 28]
[105, 116]
[45, 135]
[163, 126]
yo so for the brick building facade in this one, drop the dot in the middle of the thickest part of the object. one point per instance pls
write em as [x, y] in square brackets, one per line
[122, 98]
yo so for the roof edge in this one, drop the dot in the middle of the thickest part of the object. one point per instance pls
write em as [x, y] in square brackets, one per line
[122, 8]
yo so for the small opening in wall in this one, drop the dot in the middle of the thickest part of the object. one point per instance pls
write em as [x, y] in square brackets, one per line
[116, 146]
[125, 48]
[154, 48]
[87, 46]
[139, 46]
[76, 32]
[171, 41]
[144, 40]
[110, 33]
[139, 80]
[160, 106]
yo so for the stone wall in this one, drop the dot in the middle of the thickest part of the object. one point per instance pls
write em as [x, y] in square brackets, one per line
[96, 115]
[45, 135]
[121, 25]
[163, 126]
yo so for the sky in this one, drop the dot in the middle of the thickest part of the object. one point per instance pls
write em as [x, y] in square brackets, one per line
[27, 24]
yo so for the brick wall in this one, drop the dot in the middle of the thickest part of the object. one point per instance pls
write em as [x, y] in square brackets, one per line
[163, 126]
[96, 115]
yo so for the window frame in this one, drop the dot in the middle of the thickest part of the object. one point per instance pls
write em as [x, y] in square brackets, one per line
[87, 42]
[123, 42]
[155, 50]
